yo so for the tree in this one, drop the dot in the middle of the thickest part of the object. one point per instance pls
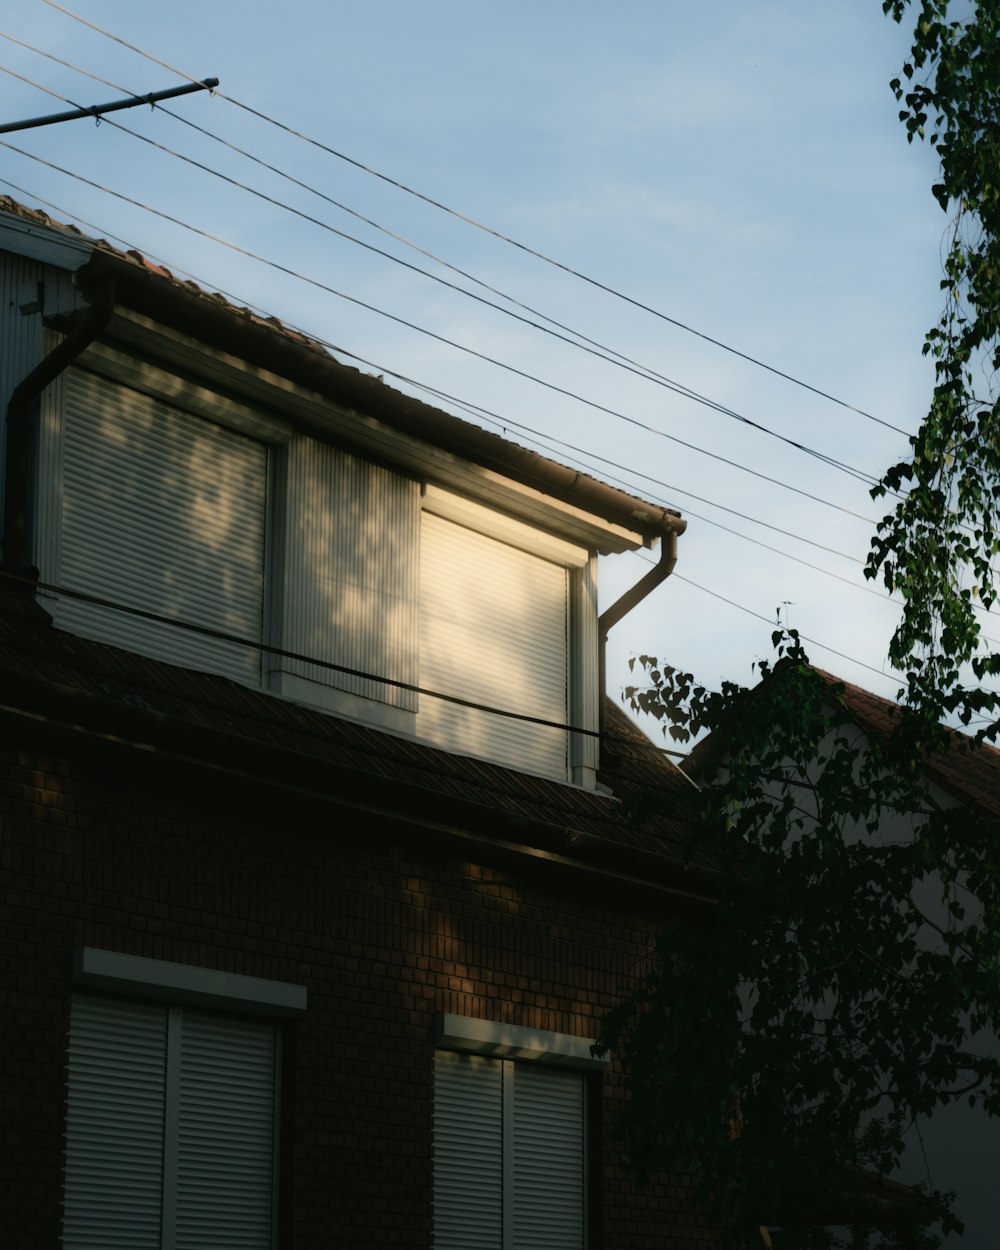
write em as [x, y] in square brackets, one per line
[783, 1050]
[939, 546]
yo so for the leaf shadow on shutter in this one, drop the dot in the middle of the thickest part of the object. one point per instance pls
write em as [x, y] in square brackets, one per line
[164, 512]
[351, 553]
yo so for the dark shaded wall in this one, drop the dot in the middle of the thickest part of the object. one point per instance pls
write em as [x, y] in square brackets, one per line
[385, 929]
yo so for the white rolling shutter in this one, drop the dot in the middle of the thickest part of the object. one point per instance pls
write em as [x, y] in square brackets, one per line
[225, 1133]
[114, 1127]
[468, 1153]
[164, 512]
[548, 1189]
[493, 629]
[509, 1155]
[170, 1129]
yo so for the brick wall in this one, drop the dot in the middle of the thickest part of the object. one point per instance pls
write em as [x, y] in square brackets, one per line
[384, 930]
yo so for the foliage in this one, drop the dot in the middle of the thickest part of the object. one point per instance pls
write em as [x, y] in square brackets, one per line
[939, 546]
[797, 1036]
[793, 1041]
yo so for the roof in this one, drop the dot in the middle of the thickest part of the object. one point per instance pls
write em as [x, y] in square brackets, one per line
[151, 289]
[109, 694]
[968, 769]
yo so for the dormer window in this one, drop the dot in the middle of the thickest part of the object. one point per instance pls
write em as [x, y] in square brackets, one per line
[148, 506]
[320, 560]
[495, 629]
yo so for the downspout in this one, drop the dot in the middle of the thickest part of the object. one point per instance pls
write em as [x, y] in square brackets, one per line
[21, 411]
[621, 608]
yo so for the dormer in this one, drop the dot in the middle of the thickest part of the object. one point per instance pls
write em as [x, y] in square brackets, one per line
[198, 485]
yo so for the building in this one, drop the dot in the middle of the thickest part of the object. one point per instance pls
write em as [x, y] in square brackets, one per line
[956, 1149]
[299, 952]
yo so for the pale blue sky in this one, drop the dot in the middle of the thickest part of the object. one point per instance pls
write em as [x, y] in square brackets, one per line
[737, 165]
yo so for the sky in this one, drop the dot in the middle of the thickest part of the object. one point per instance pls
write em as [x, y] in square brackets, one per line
[737, 167]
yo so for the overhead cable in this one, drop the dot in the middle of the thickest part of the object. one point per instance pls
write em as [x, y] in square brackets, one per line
[427, 199]
[504, 423]
[440, 338]
[574, 338]
[298, 657]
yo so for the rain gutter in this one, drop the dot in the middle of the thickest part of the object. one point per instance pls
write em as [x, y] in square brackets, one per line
[630, 599]
[273, 347]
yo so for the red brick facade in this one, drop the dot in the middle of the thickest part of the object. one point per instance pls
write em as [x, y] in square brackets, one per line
[385, 928]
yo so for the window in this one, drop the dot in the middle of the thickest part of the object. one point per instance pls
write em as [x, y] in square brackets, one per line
[196, 528]
[495, 629]
[172, 1107]
[145, 505]
[170, 1128]
[510, 1139]
[509, 1155]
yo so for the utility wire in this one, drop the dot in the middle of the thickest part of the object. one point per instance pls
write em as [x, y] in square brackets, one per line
[594, 282]
[578, 340]
[467, 405]
[546, 441]
[543, 441]
[298, 657]
[421, 690]
[767, 620]
[471, 351]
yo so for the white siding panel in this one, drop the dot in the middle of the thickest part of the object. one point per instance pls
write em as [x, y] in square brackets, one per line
[115, 1120]
[165, 513]
[493, 629]
[468, 1153]
[549, 1159]
[352, 552]
[225, 1134]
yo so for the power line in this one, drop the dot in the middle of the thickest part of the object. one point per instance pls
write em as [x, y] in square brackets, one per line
[579, 341]
[476, 706]
[550, 441]
[760, 617]
[467, 405]
[547, 442]
[471, 351]
[594, 282]
[342, 670]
